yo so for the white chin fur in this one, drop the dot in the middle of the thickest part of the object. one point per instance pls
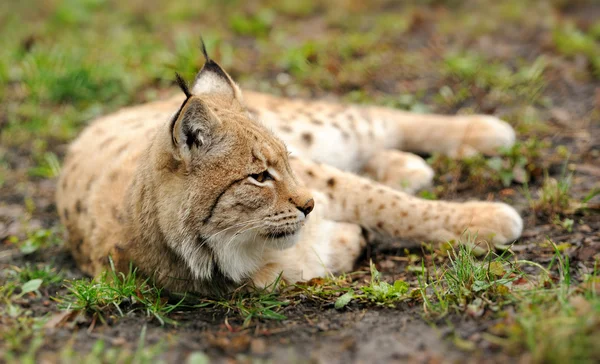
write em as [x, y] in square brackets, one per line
[283, 243]
[240, 255]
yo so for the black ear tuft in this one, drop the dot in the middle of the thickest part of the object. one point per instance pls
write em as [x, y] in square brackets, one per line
[183, 85]
[212, 79]
[204, 52]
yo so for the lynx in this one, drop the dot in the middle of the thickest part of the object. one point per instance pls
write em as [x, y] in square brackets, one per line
[211, 190]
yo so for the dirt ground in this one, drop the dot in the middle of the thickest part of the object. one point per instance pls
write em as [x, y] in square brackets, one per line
[567, 120]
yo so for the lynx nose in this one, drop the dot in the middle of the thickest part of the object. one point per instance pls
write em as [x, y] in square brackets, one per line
[308, 207]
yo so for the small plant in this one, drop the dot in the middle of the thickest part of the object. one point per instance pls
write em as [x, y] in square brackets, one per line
[48, 166]
[570, 42]
[516, 164]
[46, 273]
[21, 334]
[256, 25]
[383, 293]
[428, 195]
[379, 292]
[27, 279]
[554, 196]
[39, 239]
[566, 224]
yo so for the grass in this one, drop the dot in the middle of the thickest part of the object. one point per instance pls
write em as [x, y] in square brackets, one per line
[554, 318]
[465, 283]
[571, 42]
[99, 352]
[117, 292]
[521, 84]
[254, 303]
[558, 320]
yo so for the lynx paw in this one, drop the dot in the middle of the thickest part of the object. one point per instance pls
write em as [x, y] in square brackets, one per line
[483, 134]
[495, 223]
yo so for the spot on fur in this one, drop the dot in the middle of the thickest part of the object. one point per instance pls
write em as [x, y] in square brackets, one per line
[78, 207]
[307, 138]
[121, 149]
[116, 214]
[88, 186]
[73, 167]
[113, 175]
[106, 142]
[78, 244]
[331, 182]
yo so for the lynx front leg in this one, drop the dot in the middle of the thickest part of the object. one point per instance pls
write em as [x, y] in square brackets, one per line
[324, 247]
[357, 200]
[399, 170]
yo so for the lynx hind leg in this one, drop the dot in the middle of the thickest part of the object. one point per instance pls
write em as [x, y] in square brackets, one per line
[399, 170]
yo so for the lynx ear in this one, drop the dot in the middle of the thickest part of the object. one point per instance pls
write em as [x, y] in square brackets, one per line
[212, 79]
[192, 129]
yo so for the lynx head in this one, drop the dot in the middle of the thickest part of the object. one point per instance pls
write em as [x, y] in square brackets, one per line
[224, 181]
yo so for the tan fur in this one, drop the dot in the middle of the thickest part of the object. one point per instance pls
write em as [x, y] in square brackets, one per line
[175, 196]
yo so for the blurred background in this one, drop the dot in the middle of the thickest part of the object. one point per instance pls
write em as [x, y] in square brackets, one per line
[64, 62]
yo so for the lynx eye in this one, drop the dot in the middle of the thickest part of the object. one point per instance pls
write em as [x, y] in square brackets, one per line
[262, 177]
